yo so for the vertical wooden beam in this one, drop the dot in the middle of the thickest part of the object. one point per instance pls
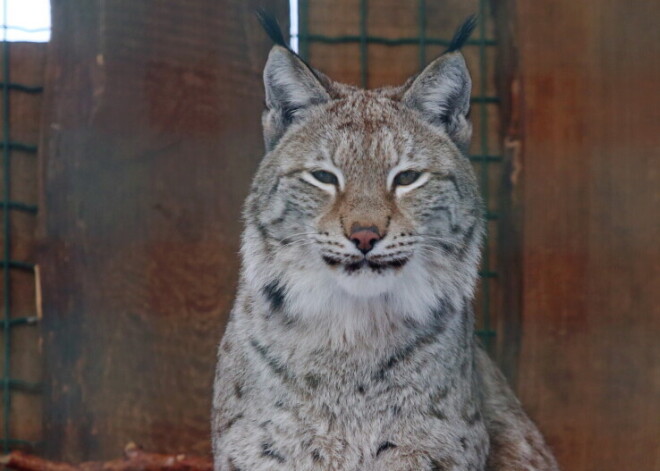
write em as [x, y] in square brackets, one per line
[590, 356]
[510, 200]
[151, 136]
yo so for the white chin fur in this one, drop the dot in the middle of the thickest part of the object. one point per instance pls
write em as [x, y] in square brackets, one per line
[366, 283]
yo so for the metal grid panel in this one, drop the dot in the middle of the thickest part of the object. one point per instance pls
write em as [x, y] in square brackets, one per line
[9, 383]
[483, 159]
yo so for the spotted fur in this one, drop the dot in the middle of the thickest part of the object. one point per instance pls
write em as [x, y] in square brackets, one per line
[339, 359]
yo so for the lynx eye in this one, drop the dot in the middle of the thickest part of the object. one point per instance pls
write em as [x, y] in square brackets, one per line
[325, 177]
[407, 177]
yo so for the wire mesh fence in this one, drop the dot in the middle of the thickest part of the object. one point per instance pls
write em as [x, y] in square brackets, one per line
[12, 382]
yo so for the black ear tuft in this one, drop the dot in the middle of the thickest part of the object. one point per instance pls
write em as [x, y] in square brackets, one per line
[272, 27]
[463, 33]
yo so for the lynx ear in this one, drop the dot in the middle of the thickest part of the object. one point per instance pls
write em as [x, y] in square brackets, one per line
[291, 88]
[441, 92]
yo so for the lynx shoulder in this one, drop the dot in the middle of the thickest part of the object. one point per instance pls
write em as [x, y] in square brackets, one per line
[350, 345]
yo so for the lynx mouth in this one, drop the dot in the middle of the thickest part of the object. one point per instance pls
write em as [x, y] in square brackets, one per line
[365, 264]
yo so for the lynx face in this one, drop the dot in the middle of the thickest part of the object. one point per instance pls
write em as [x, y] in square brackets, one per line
[364, 193]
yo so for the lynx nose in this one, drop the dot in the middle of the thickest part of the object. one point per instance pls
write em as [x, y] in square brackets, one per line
[364, 238]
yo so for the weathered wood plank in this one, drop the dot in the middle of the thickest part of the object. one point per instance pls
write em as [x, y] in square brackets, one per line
[152, 134]
[590, 357]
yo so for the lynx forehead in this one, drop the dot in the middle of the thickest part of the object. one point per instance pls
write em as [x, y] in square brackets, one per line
[350, 346]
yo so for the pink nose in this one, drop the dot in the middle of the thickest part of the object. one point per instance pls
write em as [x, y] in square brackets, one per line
[364, 238]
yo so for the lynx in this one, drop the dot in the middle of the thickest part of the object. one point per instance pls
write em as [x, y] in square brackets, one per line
[350, 345]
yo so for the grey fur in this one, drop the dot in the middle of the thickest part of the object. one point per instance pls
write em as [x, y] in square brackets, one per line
[335, 360]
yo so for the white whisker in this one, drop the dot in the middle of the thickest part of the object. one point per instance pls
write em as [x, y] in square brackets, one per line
[432, 250]
[301, 234]
[299, 243]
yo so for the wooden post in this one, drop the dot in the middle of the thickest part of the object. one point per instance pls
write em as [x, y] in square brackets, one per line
[584, 120]
[151, 136]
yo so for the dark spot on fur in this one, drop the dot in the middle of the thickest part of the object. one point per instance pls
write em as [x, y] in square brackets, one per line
[360, 389]
[391, 362]
[238, 390]
[438, 413]
[312, 381]
[232, 465]
[272, 362]
[425, 338]
[274, 188]
[316, 456]
[352, 267]
[267, 451]
[306, 443]
[442, 464]
[463, 442]
[439, 207]
[289, 113]
[375, 265]
[396, 410]
[465, 364]
[275, 293]
[467, 240]
[436, 466]
[263, 231]
[333, 262]
[452, 178]
[446, 248]
[230, 423]
[396, 263]
[385, 446]
[441, 315]
[440, 394]
[411, 323]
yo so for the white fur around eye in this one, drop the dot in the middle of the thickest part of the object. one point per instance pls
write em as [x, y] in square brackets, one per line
[400, 190]
[329, 187]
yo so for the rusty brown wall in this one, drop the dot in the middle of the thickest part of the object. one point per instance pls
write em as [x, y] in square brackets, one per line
[582, 138]
[151, 135]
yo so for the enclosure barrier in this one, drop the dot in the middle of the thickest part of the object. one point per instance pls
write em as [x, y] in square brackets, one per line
[9, 383]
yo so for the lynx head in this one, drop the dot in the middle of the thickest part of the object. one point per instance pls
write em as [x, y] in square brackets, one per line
[364, 195]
